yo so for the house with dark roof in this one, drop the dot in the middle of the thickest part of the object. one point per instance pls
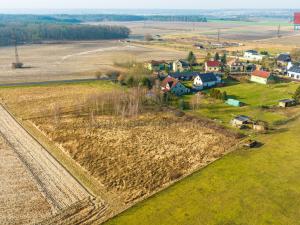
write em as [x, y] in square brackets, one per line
[294, 72]
[173, 85]
[184, 75]
[180, 66]
[212, 66]
[262, 77]
[283, 59]
[206, 80]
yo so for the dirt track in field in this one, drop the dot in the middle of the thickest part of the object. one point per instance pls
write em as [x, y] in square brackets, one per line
[52, 180]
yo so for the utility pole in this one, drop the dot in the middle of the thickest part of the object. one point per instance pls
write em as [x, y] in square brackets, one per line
[17, 64]
[219, 31]
[278, 31]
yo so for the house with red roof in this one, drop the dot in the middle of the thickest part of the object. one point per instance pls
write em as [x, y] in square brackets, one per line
[170, 84]
[212, 66]
[262, 77]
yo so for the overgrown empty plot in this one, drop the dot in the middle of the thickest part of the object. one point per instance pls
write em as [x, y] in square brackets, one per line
[137, 156]
[132, 156]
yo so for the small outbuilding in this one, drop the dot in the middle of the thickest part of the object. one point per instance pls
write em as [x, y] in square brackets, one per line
[240, 120]
[260, 125]
[286, 103]
[234, 102]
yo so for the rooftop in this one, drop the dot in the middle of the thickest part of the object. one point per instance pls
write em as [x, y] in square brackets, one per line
[284, 57]
[261, 73]
[213, 63]
[294, 69]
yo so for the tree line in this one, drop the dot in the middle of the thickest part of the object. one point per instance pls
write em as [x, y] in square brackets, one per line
[76, 19]
[35, 33]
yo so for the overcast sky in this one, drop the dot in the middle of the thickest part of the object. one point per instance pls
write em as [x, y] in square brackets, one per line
[144, 4]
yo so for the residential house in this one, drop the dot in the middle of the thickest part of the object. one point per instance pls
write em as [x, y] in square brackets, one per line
[206, 80]
[236, 66]
[294, 72]
[184, 75]
[262, 77]
[253, 55]
[170, 84]
[157, 65]
[212, 66]
[180, 66]
[283, 59]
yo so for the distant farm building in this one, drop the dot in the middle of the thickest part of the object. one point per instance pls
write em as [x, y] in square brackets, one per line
[206, 80]
[253, 55]
[212, 66]
[286, 103]
[262, 77]
[170, 84]
[297, 21]
[180, 66]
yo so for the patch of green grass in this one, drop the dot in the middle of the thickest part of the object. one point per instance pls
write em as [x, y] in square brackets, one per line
[254, 96]
[249, 187]
[261, 186]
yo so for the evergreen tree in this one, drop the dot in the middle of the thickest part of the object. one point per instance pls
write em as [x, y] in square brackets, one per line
[217, 56]
[146, 82]
[191, 58]
[224, 59]
[296, 95]
[208, 57]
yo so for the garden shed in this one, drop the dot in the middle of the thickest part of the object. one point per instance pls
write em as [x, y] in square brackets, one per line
[234, 102]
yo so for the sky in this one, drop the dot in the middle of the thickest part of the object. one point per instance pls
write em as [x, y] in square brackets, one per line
[146, 4]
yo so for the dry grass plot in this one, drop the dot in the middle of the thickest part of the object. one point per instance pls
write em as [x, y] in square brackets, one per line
[132, 157]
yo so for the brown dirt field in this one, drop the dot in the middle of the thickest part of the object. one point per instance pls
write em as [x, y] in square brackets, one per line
[74, 60]
[131, 157]
[21, 202]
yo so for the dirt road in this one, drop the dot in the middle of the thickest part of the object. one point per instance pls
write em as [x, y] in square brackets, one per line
[20, 200]
[54, 182]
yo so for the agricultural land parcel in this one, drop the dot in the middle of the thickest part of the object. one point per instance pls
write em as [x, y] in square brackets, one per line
[131, 157]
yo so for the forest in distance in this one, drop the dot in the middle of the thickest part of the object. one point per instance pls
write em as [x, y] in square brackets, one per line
[11, 33]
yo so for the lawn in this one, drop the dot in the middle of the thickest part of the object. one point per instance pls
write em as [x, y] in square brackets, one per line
[254, 96]
[261, 186]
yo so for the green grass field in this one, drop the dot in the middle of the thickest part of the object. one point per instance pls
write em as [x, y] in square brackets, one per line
[260, 186]
[254, 96]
